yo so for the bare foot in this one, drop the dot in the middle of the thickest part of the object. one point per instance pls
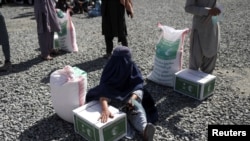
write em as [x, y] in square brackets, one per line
[47, 58]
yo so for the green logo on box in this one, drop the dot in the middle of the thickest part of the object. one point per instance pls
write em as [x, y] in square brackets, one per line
[115, 130]
[209, 87]
[86, 130]
[187, 87]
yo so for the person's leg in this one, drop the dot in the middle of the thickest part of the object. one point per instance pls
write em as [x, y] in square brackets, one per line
[44, 44]
[208, 64]
[4, 40]
[123, 40]
[137, 118]
[109, 45]
[76, 6]
[51, 40]
[85, 6]
[80, 2]
[195, 52]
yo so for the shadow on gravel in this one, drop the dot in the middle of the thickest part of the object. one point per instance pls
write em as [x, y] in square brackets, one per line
[22, 66]
[25, 15]
[18, 5]
[171, 102]
[92, 65]
[48, 129]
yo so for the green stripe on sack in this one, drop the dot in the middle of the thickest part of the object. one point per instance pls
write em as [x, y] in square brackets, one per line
[79, 72]
[167, 50]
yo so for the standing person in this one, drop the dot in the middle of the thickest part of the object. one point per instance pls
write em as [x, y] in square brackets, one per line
[205, 35]
[47, 24]
[81, 6]
[122, 84]
[4, 41]
[113, 22]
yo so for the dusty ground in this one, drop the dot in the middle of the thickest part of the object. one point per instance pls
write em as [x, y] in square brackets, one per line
[25, 103]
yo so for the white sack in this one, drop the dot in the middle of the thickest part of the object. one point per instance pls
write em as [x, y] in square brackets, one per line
[68, 91]
[168, 56]
[67, 34]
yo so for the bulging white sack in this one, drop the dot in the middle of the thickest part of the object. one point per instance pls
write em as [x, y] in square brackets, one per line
[68, 91]
[168, 56]
[67, 34]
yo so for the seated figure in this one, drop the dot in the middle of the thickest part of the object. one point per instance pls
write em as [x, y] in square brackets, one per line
[81, 6]
[96, 10]
[121, 85]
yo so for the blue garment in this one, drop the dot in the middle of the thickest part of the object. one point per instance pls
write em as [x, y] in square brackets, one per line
[120, 77]
[96, 11]
[119, 80]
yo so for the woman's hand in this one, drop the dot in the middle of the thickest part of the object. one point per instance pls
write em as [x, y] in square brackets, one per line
[105, 115]
[105, 111]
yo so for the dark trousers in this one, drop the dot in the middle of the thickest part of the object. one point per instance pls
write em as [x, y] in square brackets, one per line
[109, 42]
[80, 6]
[4, 39]
[46, 41]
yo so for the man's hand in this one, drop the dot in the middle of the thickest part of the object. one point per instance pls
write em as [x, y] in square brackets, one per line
[130, 14]
[214, 11]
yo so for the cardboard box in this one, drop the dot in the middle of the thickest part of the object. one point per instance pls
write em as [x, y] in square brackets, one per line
[86, 123]
[193, 83]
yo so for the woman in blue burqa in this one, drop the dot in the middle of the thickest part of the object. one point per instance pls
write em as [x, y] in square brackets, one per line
[121, 85]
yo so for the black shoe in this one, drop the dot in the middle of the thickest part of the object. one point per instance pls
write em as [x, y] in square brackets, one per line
[5, 67]
[149, 132]
[107, 56]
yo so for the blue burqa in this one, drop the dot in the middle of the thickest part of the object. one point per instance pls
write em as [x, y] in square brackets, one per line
[121, 77]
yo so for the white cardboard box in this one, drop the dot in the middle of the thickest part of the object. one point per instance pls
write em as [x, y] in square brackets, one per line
[196, 84]
[86, 123]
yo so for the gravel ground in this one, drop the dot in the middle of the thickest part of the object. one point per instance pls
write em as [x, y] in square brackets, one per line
[25, 101]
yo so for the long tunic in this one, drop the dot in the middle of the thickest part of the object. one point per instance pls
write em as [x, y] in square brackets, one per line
[205, 33]
[46, 16]
[47, 24]
[113, 18]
